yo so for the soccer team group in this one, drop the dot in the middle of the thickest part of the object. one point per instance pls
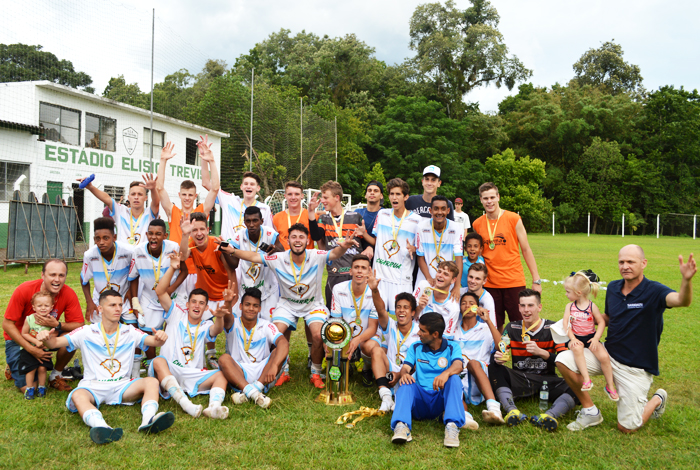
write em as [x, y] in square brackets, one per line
[425, 292]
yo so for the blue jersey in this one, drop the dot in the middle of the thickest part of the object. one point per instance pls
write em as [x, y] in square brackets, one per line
[429, 364]
[466, 264]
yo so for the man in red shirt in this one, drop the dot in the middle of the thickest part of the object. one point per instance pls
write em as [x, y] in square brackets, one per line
[65, 301]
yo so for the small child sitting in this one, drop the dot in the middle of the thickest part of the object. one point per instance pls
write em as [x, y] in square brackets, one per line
[42, 303]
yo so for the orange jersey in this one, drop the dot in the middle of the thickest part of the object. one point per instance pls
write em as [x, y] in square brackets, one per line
[176, 231]
[211, 273]
[503, 261]
[281, 222]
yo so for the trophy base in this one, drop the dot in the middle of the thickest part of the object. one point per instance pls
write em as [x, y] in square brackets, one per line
[336, 399]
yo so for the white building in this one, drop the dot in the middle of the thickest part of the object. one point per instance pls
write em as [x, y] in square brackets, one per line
[85, 134]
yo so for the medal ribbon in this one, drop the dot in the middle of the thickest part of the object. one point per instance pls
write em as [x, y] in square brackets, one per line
[240, 214]
[289, 220]
[358, 320]
[488, 226]
[398, 345]
[294, 269]
[110, 352]
[132, 229]
[395, 231]
[533, 327]
[108, 275]
[335, 226]
[193, 342]
[156, 272]
[247, 341]
[437, 245]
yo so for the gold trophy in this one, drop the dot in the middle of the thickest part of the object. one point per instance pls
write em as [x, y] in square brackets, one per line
[504, 345]
[336, 335]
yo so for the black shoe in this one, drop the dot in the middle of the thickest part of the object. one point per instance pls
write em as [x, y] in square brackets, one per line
[72, 373]
[367, 378]
[105, 435]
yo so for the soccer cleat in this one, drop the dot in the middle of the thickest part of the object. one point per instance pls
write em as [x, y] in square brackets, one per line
[492, 417]
[316, 381]
[469, 423]
[283, 379]
[263, 402]
[584, 421]
[29, 393]
[216, 412]
[41, 392]
[401, 434]
[213, 362]
[545, 421]
[158, 423]
[105, 435]
[452, 435]
[239, 398]
[60, 384]
[659, 410]
[515, 417]
[367, 378]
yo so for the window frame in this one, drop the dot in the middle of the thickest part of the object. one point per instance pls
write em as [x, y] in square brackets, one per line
[197, 159]
[60, 125]
[100, 125]
[4, 196]
[157, 149]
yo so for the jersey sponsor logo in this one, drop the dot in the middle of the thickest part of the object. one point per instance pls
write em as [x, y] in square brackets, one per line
[75, 331]
[638, 305]
[423, 361]
[442, 362]
[207, 268]
[270, 257]
[321, 252]
[302, 302]
[531, 363]
[141, 256]
[389, 264]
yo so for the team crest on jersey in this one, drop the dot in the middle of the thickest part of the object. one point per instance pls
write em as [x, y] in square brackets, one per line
[187, 352]
[253, 272]
[442, 362]
[112, 365]
[437, 260]
[300, 289]
[238, 227]
[356, 329]
[251, 357]
[391, 247]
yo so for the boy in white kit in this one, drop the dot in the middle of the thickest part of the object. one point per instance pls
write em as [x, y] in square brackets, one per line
[233, 207]
[438, 298]
[107, 263]
[476, 278]
[256, 352]
[108, 349]
[180, 365]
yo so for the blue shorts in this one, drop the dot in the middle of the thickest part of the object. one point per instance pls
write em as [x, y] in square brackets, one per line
[12, 350]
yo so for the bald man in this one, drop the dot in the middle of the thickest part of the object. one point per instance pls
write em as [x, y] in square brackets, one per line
[634, 308]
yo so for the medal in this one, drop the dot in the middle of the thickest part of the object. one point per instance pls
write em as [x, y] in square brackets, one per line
[110, 352]
[289, 220]
[394, 242]
[108, 274]
[248, 340]
[438, 259]
[335, 226]
[156, 271]
[391, 247]
[526, 337]
[492, 244]
[298, 288]
[134, 238]
[193, 342]
[358, 309]
[240, 216]
[399, 357]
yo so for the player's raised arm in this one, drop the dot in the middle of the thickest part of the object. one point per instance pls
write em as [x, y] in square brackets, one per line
[99, 194]
[150, 185]
[340, 250]
[165, 155]
[157, 340]
[186, 227]
[223, 318]
[210, 175]
[245, 255]
[684, 296]
[164, 282]
[379, 304]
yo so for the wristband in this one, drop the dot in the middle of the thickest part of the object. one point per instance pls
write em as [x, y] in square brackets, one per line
[59, 328]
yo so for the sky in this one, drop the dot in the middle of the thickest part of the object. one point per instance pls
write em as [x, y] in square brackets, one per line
[106, 38]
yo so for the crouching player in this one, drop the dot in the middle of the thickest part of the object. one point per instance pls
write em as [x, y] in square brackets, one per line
[256, 352]
[108, 349]
[180, 365]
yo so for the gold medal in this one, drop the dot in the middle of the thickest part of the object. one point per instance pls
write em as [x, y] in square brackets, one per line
[248, 340]
[525, 335]
[391, 247]
[110, 352]
[492, 246]
[298, 288]
[492, 234]
[335, 226]
[438, 259]
[133, 236]
[156, 270]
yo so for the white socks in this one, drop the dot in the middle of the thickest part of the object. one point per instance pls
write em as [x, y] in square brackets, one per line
[54, 374]
[148, 411]
[493, 405]
[316, 369]
[216, 396]
[94, 419]
[592, 411]
[173, 388]
[251, 391]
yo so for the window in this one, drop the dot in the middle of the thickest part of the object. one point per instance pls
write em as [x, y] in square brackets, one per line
[100, 132]
[115, 192]
[13, 175]
[158, 143]
[191, 152]
[60, 124]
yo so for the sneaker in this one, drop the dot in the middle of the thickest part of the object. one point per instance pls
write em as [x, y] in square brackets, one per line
[492, 417]
[41, 392]
[8, 372]
[158, 423]
[469, 423]
[584, 421]
[239, 398]
[216, 412]
[452, 435]
[545, 421]
[60, 384]
[72, 373]
[515, 417]
[401, 434]
[367, 378]
[283, 379]
[105, 435]
[213, 362]
[263, 401]
[29, 393]
[659, 411]
[387, 405]
[317, 382]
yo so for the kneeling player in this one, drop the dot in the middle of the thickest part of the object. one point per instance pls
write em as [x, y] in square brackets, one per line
[250, 363]
[108, 350]
[180, 365]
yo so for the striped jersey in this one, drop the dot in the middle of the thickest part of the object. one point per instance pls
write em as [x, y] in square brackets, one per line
[145, 268]
[523, 360]
[344, 307]
[115, 276]
[254, 274]
[125, 223]
[350, 220]
[232, 209]
[264, 336]
[391, 257]
[437, 247]
[448, 308]
[182, 335]
[299, 287]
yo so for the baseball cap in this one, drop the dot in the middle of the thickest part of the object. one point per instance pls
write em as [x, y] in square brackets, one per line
[459, 201]
[431, 170]
[377, 184]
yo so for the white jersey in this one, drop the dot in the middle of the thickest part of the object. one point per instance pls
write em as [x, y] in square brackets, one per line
[344, 307]
[177, 350]
[264, 335]
[450, 243]
[97, 361]
[462, 218]
[486, 301]
[113, 274]
[395, 343]
[391, 257]
[232, 209]
[145, 268]
[254, 274]
[125, 223]
[449, 309]
[305, 290]
[477, 343]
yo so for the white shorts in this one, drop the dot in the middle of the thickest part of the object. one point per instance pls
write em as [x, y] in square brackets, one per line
[472, 394]
[104, 393]
[388, 292]
[253, 371]
[311, 314]
[189, 378]
[632, 385]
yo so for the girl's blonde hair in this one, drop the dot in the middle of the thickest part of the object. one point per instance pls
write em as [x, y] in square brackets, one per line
[579, 282]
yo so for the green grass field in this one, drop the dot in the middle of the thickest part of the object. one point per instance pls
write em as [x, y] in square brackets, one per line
[296, 432]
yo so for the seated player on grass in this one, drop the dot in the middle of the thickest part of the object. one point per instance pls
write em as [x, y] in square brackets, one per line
[476, 278]
[435, 390]
[477, 340]
[42, 303]
[180, 365]
[438, 298]
[256, 352]
[108, 349]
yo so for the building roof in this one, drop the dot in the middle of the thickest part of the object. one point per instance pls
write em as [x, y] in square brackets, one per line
[18, 126]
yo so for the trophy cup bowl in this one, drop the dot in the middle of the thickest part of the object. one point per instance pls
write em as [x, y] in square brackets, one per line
[336, 335]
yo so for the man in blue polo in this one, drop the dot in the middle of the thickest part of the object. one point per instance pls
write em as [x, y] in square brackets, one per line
[435, 387]
[634, 308]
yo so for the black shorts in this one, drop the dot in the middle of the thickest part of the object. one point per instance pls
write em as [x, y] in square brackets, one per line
[29, 363]
[523, 384]
[583, 339]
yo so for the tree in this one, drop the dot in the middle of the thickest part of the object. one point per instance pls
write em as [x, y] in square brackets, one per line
[606, 67]
[118, 90]
[458, 50]
[21, 62]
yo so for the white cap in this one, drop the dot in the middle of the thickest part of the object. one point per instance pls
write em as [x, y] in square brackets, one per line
[431, 170]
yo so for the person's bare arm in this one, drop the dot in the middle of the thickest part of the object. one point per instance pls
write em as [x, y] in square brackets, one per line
[486, 316]
[684, 296]
[179, 279]
[250, 256]
[340, 250]
[99, 194]
[90, 307]
[423, 266]
[156, 340]
[164, 282]
[528, 255]
[50, 341]
[150, 185]
[455, 368]
[379, 304]
[186, 227]
[456, 290]
[27, 336]
[165, 155]
[212, 181]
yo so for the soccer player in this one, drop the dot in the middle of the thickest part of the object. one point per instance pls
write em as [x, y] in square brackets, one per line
[477, 340]
[533, 352]
[435, 390]
[330, 231]
[421, 203]
[299, 272]
[476, 278]
[108, 349]
[473, 246]
[437, 298]
[295, 214]
[132, 220]
[461, 218]
[352, 301]
[438, 240]
[233, 207]
[504, 236]
[393, 338]
[394, 246]
[255, 352]
[107, 263]
[259, 238]
[180, 365]
[374, 195]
